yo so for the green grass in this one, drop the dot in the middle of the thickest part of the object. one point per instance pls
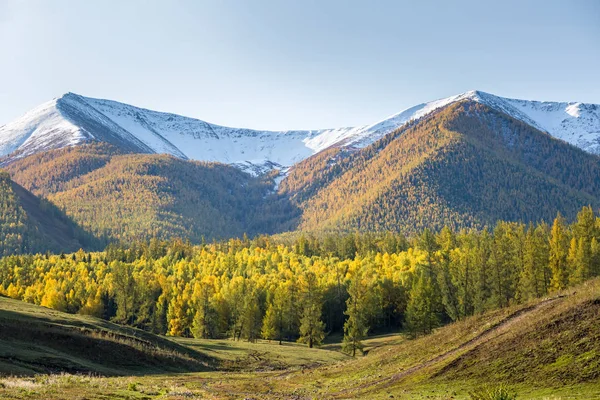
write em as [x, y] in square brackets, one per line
[262, 355]
[543, 350]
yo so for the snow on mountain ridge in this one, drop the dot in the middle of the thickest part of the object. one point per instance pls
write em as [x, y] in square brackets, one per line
[73, 119]
[35, 127]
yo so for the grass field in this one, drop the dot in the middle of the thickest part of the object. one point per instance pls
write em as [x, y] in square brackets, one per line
[549, 349]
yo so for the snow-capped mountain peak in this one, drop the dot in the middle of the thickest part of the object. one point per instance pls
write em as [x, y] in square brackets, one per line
[73, 119]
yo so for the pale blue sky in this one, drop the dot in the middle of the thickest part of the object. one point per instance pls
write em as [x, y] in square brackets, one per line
[295, 64]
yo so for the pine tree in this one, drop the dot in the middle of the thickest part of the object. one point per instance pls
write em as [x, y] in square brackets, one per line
[312, 328]
[595, 256]
[447, 243]
[356, 326]
[123, 288]
[502, 262]
[252, 317]
[558, 254]
[420, 312]
[580, 260]
[178, 316]
[535, 274]
[585, 225]
[204, 324]
[482, 294]
[462, 271]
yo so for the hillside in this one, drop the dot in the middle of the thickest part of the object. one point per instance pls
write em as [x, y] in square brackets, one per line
[29, 224]
[35, 339]
[124, 196]
[463, 165]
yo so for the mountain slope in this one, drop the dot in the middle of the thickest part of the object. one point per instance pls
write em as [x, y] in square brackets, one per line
[73, 120]
[121, 196]
[29, 224]
[464, 165]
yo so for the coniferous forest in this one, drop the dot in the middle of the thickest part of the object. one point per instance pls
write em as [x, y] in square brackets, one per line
[302, 287]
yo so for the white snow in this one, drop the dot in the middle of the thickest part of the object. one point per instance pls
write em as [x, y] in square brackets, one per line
[58, 124]
[37, 129]
[575, 123]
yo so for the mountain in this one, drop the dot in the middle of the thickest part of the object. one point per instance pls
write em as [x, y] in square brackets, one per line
[464, 165]
[74, 120]
[126, 173]
[29, 224]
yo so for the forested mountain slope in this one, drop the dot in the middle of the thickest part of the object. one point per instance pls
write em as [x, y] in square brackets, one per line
[464, 165]
[119, 196]
[30, 224]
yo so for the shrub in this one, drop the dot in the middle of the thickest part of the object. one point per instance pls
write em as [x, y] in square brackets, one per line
[496, 393]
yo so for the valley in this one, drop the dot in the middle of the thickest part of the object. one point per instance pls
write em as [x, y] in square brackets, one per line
[446, 364]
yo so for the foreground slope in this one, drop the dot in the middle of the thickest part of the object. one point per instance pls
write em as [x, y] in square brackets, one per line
[464, 165]
[35, 339]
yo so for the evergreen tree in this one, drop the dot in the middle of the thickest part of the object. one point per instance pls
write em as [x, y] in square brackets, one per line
[558, 254]
[204, 324]
[595, 257]
[251, 317]
[357, 311]
[312, 328]
[421, 317]
[447, 243]
[483, 291]
[123, 289]
[580, 260]
[535, 275]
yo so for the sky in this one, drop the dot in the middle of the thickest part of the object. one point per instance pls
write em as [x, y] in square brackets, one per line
[288, 64]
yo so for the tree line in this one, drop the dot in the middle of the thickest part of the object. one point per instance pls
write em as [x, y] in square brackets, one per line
[303, 288]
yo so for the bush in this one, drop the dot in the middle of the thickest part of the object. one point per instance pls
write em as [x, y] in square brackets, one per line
[497, 393]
